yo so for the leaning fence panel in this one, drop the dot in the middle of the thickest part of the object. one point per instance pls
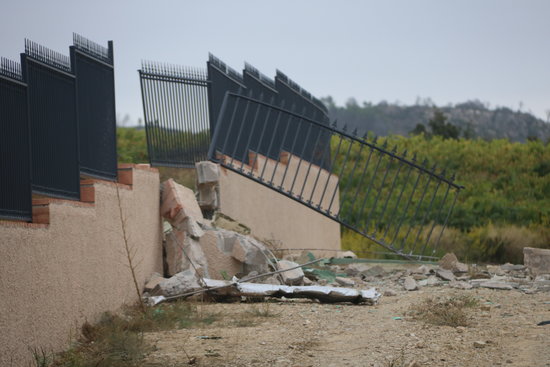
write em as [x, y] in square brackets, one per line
[95, 95]
[53, 121]
[15, 187]
[175, 104]
[370, 188]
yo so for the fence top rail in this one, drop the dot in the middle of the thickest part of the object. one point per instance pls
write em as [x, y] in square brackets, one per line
[222, 66]
[422, 167]
[47, 56]
[260, 76]
[93, 49]
[174, 71]
[301, 91]
[10, 69]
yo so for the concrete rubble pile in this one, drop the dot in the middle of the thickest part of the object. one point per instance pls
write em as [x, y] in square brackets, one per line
[199, 255]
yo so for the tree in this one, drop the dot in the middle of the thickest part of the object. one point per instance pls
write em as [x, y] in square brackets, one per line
[440, 127]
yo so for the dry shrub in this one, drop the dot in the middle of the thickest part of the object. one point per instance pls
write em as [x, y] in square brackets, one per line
[444, 311]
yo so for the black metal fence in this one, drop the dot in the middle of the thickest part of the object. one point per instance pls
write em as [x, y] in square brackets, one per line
[175, 104]
[57, 121]
[93, 67]
[392, 200]
[53, 121]
[15, 164]
[181, 106]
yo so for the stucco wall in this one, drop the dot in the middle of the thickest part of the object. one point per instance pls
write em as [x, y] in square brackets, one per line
[55, 276]
[273, 216]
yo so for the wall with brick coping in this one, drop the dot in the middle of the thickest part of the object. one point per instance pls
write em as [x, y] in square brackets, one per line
[69, 266]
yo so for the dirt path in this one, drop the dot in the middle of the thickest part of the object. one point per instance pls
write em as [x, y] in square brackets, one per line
[304, 333]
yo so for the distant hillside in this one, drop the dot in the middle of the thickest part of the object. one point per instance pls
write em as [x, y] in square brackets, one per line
[473, 118]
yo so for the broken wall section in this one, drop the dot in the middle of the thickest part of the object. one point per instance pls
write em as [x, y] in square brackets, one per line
[273, 217]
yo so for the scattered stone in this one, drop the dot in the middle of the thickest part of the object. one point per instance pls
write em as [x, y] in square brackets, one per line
[356, 269]
[450, 262]
[347, 255]
[537, 260]
[422, 269]
[445, 274]
[390, 293]
[345, 282]
[460, 284]
[185, 281]
[479, 344]
[291, 277]
[155, 279]
[495, 270]
[410, 284]
[512, 267]
[495, 284]
[460, 329]
[306, 281]
[375, 271]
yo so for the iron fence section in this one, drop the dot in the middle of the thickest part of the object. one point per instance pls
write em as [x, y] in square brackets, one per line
[389, 198]
[15, 164]
[53, 121]
[175, 104]
[92, 65]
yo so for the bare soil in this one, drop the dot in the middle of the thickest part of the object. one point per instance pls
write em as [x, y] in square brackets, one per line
[307, 333]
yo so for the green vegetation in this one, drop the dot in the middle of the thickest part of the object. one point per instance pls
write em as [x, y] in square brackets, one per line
[118, 340]
[505, 204]
[444, 311]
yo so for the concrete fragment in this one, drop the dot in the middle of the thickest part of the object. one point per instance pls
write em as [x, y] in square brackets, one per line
[445, 274]
[422, 269]
[495, 270]
[291, 277]
[250, 252]
[450, 262]
[410, 284]
[193, 228]
[345, 282]
[512, 267]
[176, 243]
[183, 282]
[347, 255]
[460, 284]
[495, 284]
[537, 260]
[155, 279]
[218, 255]
[207, 172]
[479, 344]
[356, 269]
[208, 197]
[376, 271]
[177, 204]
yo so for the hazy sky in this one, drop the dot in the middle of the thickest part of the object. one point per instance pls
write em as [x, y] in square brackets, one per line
[497, 51]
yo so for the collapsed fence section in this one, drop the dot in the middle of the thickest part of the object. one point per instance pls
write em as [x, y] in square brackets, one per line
[387, 197]
[53, 121]
[15, 164]
[93, 68]
[175, 104]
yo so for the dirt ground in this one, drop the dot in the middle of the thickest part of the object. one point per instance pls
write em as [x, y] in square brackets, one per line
[307, 333]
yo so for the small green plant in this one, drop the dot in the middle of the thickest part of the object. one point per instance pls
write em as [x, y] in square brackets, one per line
[41, 358]
[444, 311]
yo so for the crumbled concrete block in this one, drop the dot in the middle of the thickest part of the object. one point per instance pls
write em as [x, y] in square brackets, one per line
[208, 197]
[182, 282]
[207, 172]
[537, 260]
[176, 260]
[178, 203]
[291, 277]
[445, 274]
[155, 279]
[450, 262]
[345, 282]
[218, 255]
[410, 284]
[347, 255]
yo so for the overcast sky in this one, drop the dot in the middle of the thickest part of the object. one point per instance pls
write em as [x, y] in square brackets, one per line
[497, 51]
